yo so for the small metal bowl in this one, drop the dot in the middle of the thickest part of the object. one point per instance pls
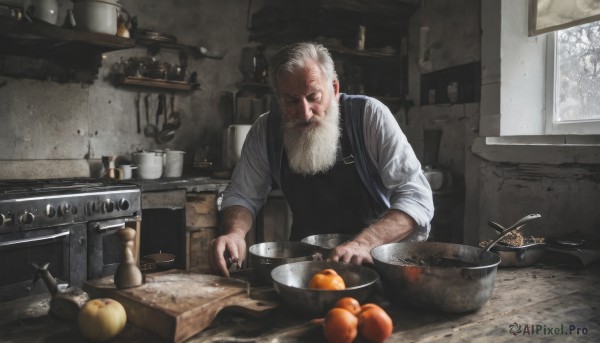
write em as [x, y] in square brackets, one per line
[520, 256]
[327, 241]
[268, 255]
[291, 282]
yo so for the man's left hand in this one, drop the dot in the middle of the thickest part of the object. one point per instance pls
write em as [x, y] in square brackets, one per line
[352, 252]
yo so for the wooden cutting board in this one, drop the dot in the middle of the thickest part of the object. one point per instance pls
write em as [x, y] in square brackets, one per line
[177, 304]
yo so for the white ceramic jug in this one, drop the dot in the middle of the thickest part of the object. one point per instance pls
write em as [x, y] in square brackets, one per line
[233, 141]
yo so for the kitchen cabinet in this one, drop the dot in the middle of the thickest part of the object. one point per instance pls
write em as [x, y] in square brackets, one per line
[39, 50]
[201, 228]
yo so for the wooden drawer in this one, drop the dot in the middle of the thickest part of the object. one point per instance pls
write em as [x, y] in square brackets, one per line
[198, 244]
[201, 210]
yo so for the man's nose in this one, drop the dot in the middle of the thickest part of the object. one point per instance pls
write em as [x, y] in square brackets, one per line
[304, 110]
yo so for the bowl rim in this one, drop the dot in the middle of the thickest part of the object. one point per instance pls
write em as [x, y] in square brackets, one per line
[517, 248]
[377, 261]
[285, 243]
[289, 265]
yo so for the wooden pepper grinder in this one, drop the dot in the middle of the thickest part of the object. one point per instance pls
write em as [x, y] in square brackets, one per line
[128, 274]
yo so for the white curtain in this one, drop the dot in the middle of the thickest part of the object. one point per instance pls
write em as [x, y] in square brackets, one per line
[551, 15]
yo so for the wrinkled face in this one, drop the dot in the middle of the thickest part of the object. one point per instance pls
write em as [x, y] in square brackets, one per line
[305, 95]
[311, 122]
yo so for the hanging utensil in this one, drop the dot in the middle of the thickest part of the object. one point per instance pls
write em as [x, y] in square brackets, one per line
[149, 130]
[137, 113]
[174, 118]
[166, 134]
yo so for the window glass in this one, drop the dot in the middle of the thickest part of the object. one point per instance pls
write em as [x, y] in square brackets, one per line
[577, 81]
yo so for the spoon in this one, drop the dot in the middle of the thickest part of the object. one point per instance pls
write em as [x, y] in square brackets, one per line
[519, 224]
[149, 130]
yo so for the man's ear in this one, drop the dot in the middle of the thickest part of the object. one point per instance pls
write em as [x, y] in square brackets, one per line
[336, 88]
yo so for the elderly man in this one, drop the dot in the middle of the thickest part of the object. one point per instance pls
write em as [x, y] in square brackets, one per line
[342, 162]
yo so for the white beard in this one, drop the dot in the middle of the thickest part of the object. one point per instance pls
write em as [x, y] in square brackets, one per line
[312, 149]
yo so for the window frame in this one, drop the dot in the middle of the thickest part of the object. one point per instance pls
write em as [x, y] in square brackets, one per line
[587, 127]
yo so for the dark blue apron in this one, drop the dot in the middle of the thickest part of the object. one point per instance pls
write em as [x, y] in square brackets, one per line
[332, 202]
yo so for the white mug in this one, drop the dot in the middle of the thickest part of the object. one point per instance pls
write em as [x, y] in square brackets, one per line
[127, 171]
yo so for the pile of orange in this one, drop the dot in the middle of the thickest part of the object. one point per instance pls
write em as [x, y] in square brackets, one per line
[348, 319]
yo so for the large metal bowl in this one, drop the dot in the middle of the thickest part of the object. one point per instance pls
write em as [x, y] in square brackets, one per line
[291, 282]
[268, 255]
[327, 241]
[456, 280]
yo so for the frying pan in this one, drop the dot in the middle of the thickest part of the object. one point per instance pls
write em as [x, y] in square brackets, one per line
[162, 261]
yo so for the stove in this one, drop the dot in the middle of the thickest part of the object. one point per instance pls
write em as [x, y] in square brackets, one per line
[31, 204]
[69, 223]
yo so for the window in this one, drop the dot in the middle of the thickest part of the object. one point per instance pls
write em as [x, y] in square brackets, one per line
[573, 82]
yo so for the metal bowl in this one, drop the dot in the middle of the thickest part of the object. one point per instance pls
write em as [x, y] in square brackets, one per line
[291, 282]
[462, 282]
[268, 255]
[520, 256]
[328, 241]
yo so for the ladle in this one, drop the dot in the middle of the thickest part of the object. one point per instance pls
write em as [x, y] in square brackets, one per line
[174, 118]
[149, 130]
[519, 224]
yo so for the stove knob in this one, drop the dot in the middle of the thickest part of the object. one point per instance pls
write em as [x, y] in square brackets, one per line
[5, 219]
[108, 206]
[27, 218]
[63, 209]
[92, 207]
[123, 204]
[50, 211]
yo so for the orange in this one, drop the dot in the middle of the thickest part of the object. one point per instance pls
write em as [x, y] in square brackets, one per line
[340, 326]
[327, 279]
[350, 304]
[374, 324]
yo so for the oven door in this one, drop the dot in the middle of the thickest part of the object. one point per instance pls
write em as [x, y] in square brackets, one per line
[105, 249]
[63, 247]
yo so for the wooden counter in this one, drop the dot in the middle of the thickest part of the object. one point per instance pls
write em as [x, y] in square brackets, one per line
[548, 303]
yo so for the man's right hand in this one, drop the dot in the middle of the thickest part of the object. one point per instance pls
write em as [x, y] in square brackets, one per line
[226, 250]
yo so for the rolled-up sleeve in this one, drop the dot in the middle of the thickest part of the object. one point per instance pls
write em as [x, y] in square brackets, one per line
[399, 167]
[251, 180]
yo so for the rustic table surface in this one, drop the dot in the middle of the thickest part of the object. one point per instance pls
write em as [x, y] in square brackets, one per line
[541, 303]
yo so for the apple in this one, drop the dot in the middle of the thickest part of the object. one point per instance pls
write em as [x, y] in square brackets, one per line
[101, 319]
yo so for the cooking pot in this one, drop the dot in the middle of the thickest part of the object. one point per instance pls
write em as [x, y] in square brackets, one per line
[95, 15]
[149, 164]
[173, 161]
[440, 276]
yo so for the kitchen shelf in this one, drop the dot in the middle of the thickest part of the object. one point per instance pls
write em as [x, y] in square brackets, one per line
[24, 30]
[156, 83]
[38, 50]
